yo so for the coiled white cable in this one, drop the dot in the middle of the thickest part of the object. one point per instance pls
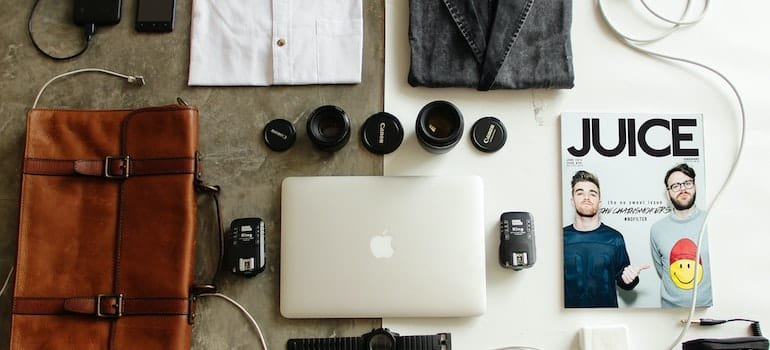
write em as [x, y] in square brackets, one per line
[634, 44]
[244, 311]
[133, 79]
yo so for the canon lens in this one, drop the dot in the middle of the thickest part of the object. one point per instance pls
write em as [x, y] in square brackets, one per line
[439, 126]
[328, 128]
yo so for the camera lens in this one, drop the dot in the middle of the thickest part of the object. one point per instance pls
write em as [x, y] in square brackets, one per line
[439, 126]
[328, 128]
[381, 341]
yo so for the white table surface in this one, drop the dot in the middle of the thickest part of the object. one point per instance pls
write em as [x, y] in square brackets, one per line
[525, 307]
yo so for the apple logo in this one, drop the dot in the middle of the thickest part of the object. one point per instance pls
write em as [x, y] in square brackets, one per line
[381, 245]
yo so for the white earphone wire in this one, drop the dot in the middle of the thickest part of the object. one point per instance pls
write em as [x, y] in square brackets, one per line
[633, 43]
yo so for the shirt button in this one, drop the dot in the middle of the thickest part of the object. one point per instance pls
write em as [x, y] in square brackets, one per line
[280, 42]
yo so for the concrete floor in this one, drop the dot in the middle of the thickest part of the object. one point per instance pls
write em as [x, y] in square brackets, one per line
[231, 122]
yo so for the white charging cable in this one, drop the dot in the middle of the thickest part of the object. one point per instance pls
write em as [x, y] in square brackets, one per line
[7, 279]
[133, 79]
[244, 311]
[634, 44]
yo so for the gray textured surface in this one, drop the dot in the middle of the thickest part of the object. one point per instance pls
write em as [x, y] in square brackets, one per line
[234, 156]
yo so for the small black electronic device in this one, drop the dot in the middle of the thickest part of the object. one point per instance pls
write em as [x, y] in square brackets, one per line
[155, 16]
[517, 240]
[97, 12]
[246, 247]
[740, 343]
[377, 339]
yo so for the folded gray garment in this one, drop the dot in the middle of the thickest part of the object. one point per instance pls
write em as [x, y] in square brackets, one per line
[491, 44]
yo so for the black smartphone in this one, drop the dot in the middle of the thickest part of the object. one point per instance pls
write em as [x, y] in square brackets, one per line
[97, 12]
[155, 16]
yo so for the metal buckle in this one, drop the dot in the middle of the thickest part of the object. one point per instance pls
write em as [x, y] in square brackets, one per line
[117, 306]
[125, 167]
[191, 309]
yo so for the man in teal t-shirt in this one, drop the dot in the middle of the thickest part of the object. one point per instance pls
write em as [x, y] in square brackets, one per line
[673, 244]
[595, 256]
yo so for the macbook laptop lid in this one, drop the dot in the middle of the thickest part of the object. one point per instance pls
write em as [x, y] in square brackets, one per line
[376, 246]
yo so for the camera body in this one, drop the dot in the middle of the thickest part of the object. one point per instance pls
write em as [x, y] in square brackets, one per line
[377, 339]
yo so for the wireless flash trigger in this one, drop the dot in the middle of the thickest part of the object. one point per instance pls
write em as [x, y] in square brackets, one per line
[517, 240]
[246, 248]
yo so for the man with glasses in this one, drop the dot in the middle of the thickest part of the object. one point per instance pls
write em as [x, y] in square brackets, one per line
[595, 255]
[673, 242]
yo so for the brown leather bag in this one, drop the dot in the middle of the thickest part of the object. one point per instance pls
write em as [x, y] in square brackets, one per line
[106, 247]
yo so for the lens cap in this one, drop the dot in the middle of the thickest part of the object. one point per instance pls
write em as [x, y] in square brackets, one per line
[382, 133]
[328, 128]
[279, 135]
[488, 134]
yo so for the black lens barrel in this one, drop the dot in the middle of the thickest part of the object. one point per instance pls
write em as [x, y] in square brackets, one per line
[439, 126]
[328, 128]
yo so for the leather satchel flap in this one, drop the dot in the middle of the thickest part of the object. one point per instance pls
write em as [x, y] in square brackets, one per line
[106, 229]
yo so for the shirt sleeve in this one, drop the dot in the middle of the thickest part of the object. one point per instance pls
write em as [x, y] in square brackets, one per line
[622, 261]
[657, 256]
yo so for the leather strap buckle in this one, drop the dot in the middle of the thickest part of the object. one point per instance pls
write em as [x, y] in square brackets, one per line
[124, 167]
[114, 304]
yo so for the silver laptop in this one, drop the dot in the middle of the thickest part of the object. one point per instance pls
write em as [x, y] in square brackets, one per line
[376, 246]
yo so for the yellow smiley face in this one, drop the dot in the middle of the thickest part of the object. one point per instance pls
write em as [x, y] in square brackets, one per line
[682, 273]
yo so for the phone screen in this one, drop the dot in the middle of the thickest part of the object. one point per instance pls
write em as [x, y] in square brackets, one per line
[155, 15]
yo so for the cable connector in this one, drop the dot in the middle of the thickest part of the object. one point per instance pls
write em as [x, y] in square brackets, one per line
[136, 79]
[89, 30]
[755, 329]
[705, 322]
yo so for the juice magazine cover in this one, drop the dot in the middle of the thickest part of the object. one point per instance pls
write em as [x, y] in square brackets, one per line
[633, 189]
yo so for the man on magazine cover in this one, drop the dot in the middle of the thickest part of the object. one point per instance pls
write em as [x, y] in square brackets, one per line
[595, 255]
[673, 244]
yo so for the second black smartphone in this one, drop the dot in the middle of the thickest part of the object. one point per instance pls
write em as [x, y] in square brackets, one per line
[155, 16]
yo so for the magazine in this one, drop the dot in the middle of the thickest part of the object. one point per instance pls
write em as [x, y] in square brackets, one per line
[633, 189]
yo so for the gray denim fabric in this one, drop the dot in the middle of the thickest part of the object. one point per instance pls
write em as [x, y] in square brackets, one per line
[491, 44]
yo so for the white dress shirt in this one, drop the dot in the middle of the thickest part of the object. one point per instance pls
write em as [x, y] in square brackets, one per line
[275, 42]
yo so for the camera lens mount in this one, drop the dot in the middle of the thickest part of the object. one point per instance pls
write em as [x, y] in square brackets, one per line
[381, 339]
[328, 128]
[439, 126]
